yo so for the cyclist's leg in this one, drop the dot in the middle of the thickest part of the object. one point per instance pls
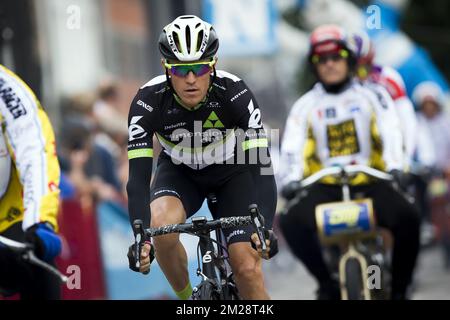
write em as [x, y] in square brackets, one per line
[298, 227]
[402, 218]
[234, 197]
[173, 199]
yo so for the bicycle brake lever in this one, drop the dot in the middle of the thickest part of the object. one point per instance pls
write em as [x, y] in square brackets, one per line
[138, 227]
[258, 222]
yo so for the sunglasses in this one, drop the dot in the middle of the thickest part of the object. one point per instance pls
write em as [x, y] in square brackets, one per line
[183, 69]
[321, 59]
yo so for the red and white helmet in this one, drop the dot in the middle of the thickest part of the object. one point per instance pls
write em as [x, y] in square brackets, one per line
[328, 38]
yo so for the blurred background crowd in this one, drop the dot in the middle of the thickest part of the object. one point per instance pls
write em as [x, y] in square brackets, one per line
[85, 59]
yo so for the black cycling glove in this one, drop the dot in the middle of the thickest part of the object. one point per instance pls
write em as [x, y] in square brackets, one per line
[270, 235]
[290, 190]
[132, 259]
[402, 179]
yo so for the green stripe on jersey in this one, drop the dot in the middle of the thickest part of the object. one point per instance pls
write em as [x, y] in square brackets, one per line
[255, 143]
[140, 153]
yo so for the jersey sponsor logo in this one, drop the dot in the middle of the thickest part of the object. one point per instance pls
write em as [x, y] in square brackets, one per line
[255, 116]
[213, 121]
[219, 86]
[29, 195]
[11, 100]
[355, 109]
[137, 145]
[210, 135]
[166, 191]
[342, 139]
[176, 125]
[12, 214]
[135, 131]
[381, 99]
[162, 90]
[330, 113]
[213, 104]
[145, 105]
[239, 94]
[173, 111]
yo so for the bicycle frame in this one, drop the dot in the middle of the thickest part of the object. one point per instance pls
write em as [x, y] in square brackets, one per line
[211, 258]
[209, 255]
[213, 267]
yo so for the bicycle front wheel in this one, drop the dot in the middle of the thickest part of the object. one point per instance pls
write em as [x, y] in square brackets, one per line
[353, 280]
[206, 291]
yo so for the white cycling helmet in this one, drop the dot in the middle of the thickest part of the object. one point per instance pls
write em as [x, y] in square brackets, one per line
[188, 38]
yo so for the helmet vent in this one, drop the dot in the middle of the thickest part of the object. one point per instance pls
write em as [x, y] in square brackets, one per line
[199, 39]
[177, 26]
[188, 39]
[198, 25]
[176, 39]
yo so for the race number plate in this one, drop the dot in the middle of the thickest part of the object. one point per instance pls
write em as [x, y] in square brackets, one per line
[345, 219]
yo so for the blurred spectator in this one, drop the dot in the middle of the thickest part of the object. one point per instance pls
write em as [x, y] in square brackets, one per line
[429, 100]
[109, 119]
[89, 166]
[112, 133]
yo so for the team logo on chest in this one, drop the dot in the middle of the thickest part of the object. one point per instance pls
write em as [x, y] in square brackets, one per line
[213, 121]
[330, 113]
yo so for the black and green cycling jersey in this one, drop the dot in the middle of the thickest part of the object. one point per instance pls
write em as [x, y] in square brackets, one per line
[216, 139]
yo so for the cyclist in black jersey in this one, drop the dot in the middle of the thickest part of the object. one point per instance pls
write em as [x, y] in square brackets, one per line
[209, 125]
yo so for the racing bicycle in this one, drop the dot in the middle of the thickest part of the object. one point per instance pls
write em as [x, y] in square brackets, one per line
[212, 254]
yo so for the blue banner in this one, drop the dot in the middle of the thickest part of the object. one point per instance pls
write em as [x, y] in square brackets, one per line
[244, 27]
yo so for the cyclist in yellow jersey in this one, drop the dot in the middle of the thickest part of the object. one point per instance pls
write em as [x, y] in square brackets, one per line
[340, 122]
[29, 192]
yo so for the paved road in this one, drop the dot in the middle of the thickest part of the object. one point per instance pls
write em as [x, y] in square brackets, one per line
[287, 279]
